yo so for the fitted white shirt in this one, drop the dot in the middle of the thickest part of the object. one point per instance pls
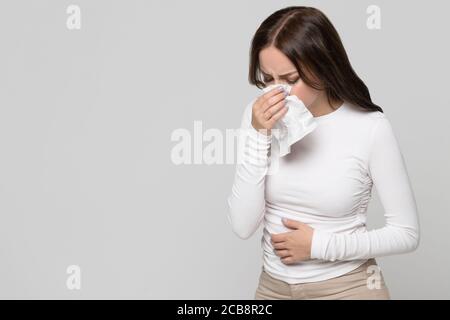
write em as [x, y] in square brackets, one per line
[326, 182]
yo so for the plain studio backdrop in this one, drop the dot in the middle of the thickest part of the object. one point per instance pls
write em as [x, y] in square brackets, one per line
[86, 119]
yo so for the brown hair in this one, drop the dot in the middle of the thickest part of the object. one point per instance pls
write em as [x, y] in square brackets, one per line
[309, 40]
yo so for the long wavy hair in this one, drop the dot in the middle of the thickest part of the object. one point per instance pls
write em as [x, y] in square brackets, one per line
[310, 41]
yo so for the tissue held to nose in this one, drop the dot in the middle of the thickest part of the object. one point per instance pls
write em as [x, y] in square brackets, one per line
[287, 88]
[294, 125]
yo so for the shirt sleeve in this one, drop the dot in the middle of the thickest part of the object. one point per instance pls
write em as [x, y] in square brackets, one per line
[400, 234]
[246, 202]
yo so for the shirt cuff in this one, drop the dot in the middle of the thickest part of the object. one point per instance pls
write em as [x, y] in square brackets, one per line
[260, 137]
[257, 146]
[319, 244]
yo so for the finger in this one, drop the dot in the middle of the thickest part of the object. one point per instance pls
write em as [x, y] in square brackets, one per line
[273, 101]
[280, 245]
[275, 91]
[288, 260]
[264, 97]
[277, 116]
[274, 109]
[282, 253]
[281, 237]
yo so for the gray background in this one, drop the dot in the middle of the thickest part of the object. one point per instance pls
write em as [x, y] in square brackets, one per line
[86, 118]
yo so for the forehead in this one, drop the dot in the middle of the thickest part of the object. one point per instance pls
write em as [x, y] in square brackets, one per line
[272, 60]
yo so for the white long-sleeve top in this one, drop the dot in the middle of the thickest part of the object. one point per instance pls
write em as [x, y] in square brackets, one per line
[325, 182]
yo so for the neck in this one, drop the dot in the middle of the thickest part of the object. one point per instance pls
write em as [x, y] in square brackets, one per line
[321, 106]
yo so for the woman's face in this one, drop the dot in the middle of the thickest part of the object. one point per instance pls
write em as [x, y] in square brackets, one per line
[277, 68]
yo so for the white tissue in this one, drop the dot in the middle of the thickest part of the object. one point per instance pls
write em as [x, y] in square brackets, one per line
[295, 124]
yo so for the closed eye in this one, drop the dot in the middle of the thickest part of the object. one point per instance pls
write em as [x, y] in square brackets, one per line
[290, 81]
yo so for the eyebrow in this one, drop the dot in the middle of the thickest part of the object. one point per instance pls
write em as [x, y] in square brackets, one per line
[282, 75]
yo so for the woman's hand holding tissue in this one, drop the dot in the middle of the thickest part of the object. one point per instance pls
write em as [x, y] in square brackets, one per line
[267, 109]
[293, 246]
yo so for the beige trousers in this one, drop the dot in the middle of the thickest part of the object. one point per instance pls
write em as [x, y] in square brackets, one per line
[364, 283]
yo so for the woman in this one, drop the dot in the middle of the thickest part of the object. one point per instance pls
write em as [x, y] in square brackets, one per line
[323, 186]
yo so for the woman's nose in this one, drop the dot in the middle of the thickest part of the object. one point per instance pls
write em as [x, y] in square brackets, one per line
[278, 82]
